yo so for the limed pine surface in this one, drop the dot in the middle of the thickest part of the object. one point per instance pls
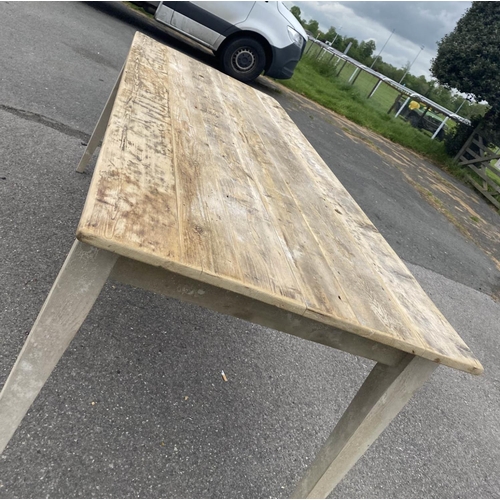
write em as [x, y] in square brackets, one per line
[207, 177]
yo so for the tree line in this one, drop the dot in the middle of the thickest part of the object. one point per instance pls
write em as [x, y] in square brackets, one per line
[365, 53]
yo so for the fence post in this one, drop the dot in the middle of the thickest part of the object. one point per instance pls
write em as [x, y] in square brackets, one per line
[402, 107]
[377, 85]
[356, 77]
[439, 128]
[353, 73]
[340, 70]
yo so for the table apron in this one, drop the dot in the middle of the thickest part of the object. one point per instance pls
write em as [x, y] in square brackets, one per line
[179, 287]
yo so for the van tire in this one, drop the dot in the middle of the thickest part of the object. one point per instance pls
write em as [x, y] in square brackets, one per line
[243, 59]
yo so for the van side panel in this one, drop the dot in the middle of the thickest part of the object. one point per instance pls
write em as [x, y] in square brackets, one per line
[177, 20]
[231, 12]
[264, 19]
[207, 22]
[196, 30]
[216, 16]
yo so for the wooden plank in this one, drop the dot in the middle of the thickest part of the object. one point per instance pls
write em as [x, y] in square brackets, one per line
[480, 144]
[489, 182]
[382, 396]
[491, 156]
[201, 210]
[359, 286]
[482, 173]
[174, 285]
[484, 192]
[478, 159]
[131, 206]
[476, 156]
[480, 141]
[317, 280]
[467, 144]
[236, 220]
[430, 334]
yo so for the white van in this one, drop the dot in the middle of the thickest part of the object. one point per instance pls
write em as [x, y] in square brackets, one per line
[247, 37]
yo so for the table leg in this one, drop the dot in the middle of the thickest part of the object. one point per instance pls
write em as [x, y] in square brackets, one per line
[383, 394]
[69, 301]
[100, 128]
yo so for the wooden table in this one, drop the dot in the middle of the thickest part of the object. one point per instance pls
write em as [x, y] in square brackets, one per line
[206, 191]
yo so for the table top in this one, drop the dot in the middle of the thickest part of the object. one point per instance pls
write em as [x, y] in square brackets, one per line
[209, 178]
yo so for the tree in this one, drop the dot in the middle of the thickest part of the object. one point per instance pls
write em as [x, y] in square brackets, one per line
[312, 26]
[468, 57]
[468, 60]
[443, 96]
[355, 43]
[339, 43]
[367, 48]
[420, 84]
[330, 35]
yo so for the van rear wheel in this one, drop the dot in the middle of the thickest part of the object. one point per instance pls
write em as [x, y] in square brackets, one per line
[243, 59]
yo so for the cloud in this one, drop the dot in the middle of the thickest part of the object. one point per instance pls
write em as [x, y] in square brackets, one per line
[415, 24]
[423, 23]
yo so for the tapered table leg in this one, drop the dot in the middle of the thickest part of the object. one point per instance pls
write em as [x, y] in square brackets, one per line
[381, 397]
[69, 301]
[100, 128]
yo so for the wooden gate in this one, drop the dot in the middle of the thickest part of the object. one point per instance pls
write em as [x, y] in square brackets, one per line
[476, 155]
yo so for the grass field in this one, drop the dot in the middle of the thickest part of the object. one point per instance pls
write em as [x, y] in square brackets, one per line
[364, 83]
[318, 81]
[383, 98]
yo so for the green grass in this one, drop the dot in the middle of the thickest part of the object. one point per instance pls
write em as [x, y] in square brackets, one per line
[383, 98]
[493, 176]
[317, 80]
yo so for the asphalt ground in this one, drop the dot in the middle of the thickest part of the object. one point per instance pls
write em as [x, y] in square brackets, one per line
[137, 407]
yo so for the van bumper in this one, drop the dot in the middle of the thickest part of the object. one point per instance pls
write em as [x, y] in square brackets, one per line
[284, 61]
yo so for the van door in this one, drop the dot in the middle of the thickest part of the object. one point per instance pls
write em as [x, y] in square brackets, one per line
[230, 12]
[204, 21]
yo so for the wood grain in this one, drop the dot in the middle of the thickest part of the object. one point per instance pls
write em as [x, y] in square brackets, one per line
[204, 176]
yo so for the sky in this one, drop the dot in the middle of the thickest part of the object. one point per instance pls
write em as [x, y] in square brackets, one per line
[415, 24]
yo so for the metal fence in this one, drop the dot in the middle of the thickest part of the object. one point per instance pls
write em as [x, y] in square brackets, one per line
[379, 88]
